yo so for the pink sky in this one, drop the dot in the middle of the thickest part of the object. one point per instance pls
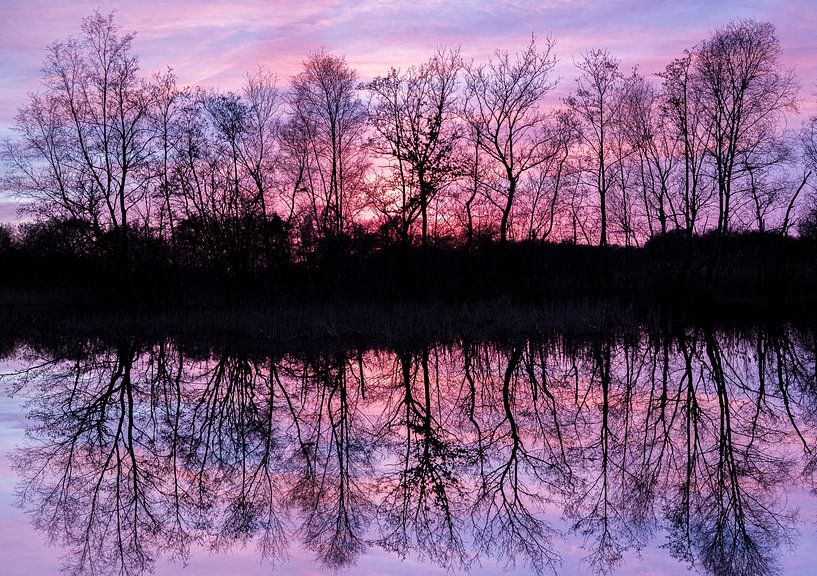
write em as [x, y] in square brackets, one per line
[216, 42]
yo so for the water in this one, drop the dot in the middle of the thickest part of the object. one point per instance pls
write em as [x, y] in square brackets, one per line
[640, 455]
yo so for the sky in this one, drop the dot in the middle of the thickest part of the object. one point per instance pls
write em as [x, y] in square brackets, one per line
[216, 43]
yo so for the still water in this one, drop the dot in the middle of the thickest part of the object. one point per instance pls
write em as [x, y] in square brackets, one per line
[627, 455]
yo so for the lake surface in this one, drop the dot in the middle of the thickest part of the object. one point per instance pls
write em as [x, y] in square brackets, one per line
[569, 455]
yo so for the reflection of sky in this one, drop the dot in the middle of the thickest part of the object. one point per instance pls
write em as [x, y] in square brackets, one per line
[24, 553]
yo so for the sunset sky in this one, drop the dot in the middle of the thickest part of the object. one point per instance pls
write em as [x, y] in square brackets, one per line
[215, 43]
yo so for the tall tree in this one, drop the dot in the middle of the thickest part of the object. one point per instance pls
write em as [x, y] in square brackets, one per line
[597, 104]
[258, 142]
[745, 93]
[325, 133]
[165, 113]
[648, 132]
[85, 143]
[505, 108]
[684, 112]
[542, 188]
[414, 116]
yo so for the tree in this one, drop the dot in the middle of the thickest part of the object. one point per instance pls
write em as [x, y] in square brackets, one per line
[683, 110]
[224, 217]
[473, 215]
[324, 136]
[540, 191]
[84, 144]
[807, 224]
[414, 116]
[597, 105]
[770, 183]
[648, 131]
[168, 105]
[745, 94]
[505, 110]
[258, 149]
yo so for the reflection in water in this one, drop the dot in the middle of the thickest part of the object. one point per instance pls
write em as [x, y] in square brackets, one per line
[449, 453]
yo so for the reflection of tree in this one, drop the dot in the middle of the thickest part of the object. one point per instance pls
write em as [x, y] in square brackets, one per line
[688, 446]
[608, 507]
[421, 508]
[450, 453]
[725, 512]
[518, 473]
[90, 482]
[698, 433]
[735, 526]
[327, 490]
[233, 455]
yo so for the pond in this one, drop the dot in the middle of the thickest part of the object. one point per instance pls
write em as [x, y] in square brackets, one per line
[638, 454]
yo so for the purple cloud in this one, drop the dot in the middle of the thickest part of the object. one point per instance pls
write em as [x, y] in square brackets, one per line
[215, 43]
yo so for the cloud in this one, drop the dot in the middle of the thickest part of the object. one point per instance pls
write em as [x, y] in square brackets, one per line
[215, 43]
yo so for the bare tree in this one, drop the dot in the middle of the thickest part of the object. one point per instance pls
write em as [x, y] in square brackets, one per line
[505, 110]
[473, 209]
[258, 149]
[168, 104]
[85, 143]
[597, 104]
[541, 189]
[414, 116]
[684, 113]
[325, 134]
[654, 143]
[770, 183]
[807, 223]
[745, 94]
[213, 194]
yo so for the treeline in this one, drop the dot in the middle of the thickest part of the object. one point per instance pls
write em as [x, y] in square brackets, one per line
[126, 174]
[758, 276]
